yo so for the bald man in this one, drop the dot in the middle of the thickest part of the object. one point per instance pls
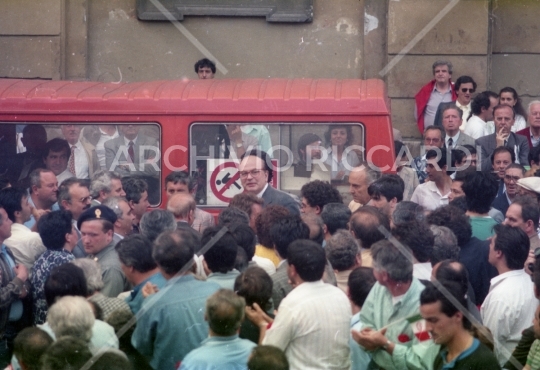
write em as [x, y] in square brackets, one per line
[182, 206]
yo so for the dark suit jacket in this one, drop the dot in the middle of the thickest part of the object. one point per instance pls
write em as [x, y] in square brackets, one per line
[516, 143]
[464, 139]
[501, 200]
[274, 196]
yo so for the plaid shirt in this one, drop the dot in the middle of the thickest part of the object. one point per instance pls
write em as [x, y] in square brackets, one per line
[109, 305]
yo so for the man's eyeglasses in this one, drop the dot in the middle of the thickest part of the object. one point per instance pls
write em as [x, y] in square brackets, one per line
[253, 173]
[511, 178]
[429, 140]
[464, 90]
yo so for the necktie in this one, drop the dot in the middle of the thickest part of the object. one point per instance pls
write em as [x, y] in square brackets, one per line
[450, 143]
[71, 162]
[131, 152]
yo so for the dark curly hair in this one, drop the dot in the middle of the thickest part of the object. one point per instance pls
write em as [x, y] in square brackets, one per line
[268, 217]
[418, 237]
[319, 193]
[348, 128]
[455, 219]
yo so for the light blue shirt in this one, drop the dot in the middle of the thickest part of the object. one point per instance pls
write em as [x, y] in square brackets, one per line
[136, 299]
[170, 324]
[32, 220]
[226, 281]
[230, 353]
[359, 358]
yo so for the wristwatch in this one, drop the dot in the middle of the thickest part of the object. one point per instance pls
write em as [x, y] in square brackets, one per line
[386, 345]
[239, 145]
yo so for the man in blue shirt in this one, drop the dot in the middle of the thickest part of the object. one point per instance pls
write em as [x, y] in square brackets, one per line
[135, 254]
[171, 322]
[223, 348]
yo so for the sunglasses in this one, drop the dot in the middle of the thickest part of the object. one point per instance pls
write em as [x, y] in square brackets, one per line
[464, 90]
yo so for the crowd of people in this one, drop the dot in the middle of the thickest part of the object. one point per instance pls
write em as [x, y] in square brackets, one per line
[434, 267]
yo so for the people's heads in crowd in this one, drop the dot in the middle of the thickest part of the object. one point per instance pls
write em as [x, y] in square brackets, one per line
[530, 187]
[155, 222]
[56, 230]
[455, 219]
[418, 237]
[343, 251]
[316, 227]
[66, 279]
[445, 245]
[15, 203]
[205, 69]
[309, 147]
[386, 193]
[29, 346]
[504, 118]
[224, 312]
[316, 194]
[245, 238]
[464, 157]
[222, 255]
[231, 215]
[137, 195]
[34, 138]
[255, 171]
[267, 357]
[111, 360]
[96, 225]
[105, 184]
[365, 223]
[268, 217]
[56, 155]
[456, 189]
[71, 316]
[359, 180]
[533, 114]
[482, 105]
[92, 274]
[43, 187]
[173, 251]
[509, 96]
[501, 158]
[480, 190]
[524, 213]
[307, 261]
[451, 270]
[255, 286]
[433, 137]
[73, 196]
[335, 216]
[464, 87]
[407, 211]
[459, 202]
[442, 71]
[512, 174]
[135, 255]
[390, 267]
[451, 118]
[130, 132]
[285, 231]
[443, 319]
[249, 203]
[66, 353]
[360, 282]
[509, 247]
[179, 182]
[71, 133]
[124, 214]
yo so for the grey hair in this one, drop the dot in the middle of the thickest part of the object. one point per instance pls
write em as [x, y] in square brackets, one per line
[113, 203]
[387, 257]
[341, 250]
[155, 222]
[63, 189]
[443, 63]
[445, 246]
[92, 274]
[101, 181]
[35, 177]
[534, 102]
[71, 316]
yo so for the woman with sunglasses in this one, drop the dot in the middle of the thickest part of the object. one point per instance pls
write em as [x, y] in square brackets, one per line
[509, 96]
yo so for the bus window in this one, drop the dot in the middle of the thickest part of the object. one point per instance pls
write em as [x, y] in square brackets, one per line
[128, 149]
[300, 153]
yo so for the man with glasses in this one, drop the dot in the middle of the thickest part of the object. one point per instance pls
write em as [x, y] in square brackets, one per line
[433, 138]
[532, 133]
[465, 86]
[255, 175]
[512, 174]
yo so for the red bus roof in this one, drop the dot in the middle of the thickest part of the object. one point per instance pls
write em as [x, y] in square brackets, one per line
[251, 96]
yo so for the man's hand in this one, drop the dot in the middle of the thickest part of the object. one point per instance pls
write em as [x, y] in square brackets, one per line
[37, 213]
[502, 135]
[235, 133]
[370, 339]
[257, 316]
[148, 289]
[21, 272]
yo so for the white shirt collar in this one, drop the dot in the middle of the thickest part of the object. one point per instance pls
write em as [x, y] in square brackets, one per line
[262, 191]
[126, 140]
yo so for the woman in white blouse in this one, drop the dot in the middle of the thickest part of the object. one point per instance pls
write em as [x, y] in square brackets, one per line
[509, 96]
[340, 160]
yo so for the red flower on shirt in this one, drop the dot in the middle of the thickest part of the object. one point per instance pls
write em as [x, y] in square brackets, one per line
[403, 338]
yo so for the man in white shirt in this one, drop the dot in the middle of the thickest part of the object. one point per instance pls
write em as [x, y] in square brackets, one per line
[508, 308]
[482, 114]
[105, 184]
[312, 325]
[83, 160]
[435, 192]
[55, 158]
[25, 244]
